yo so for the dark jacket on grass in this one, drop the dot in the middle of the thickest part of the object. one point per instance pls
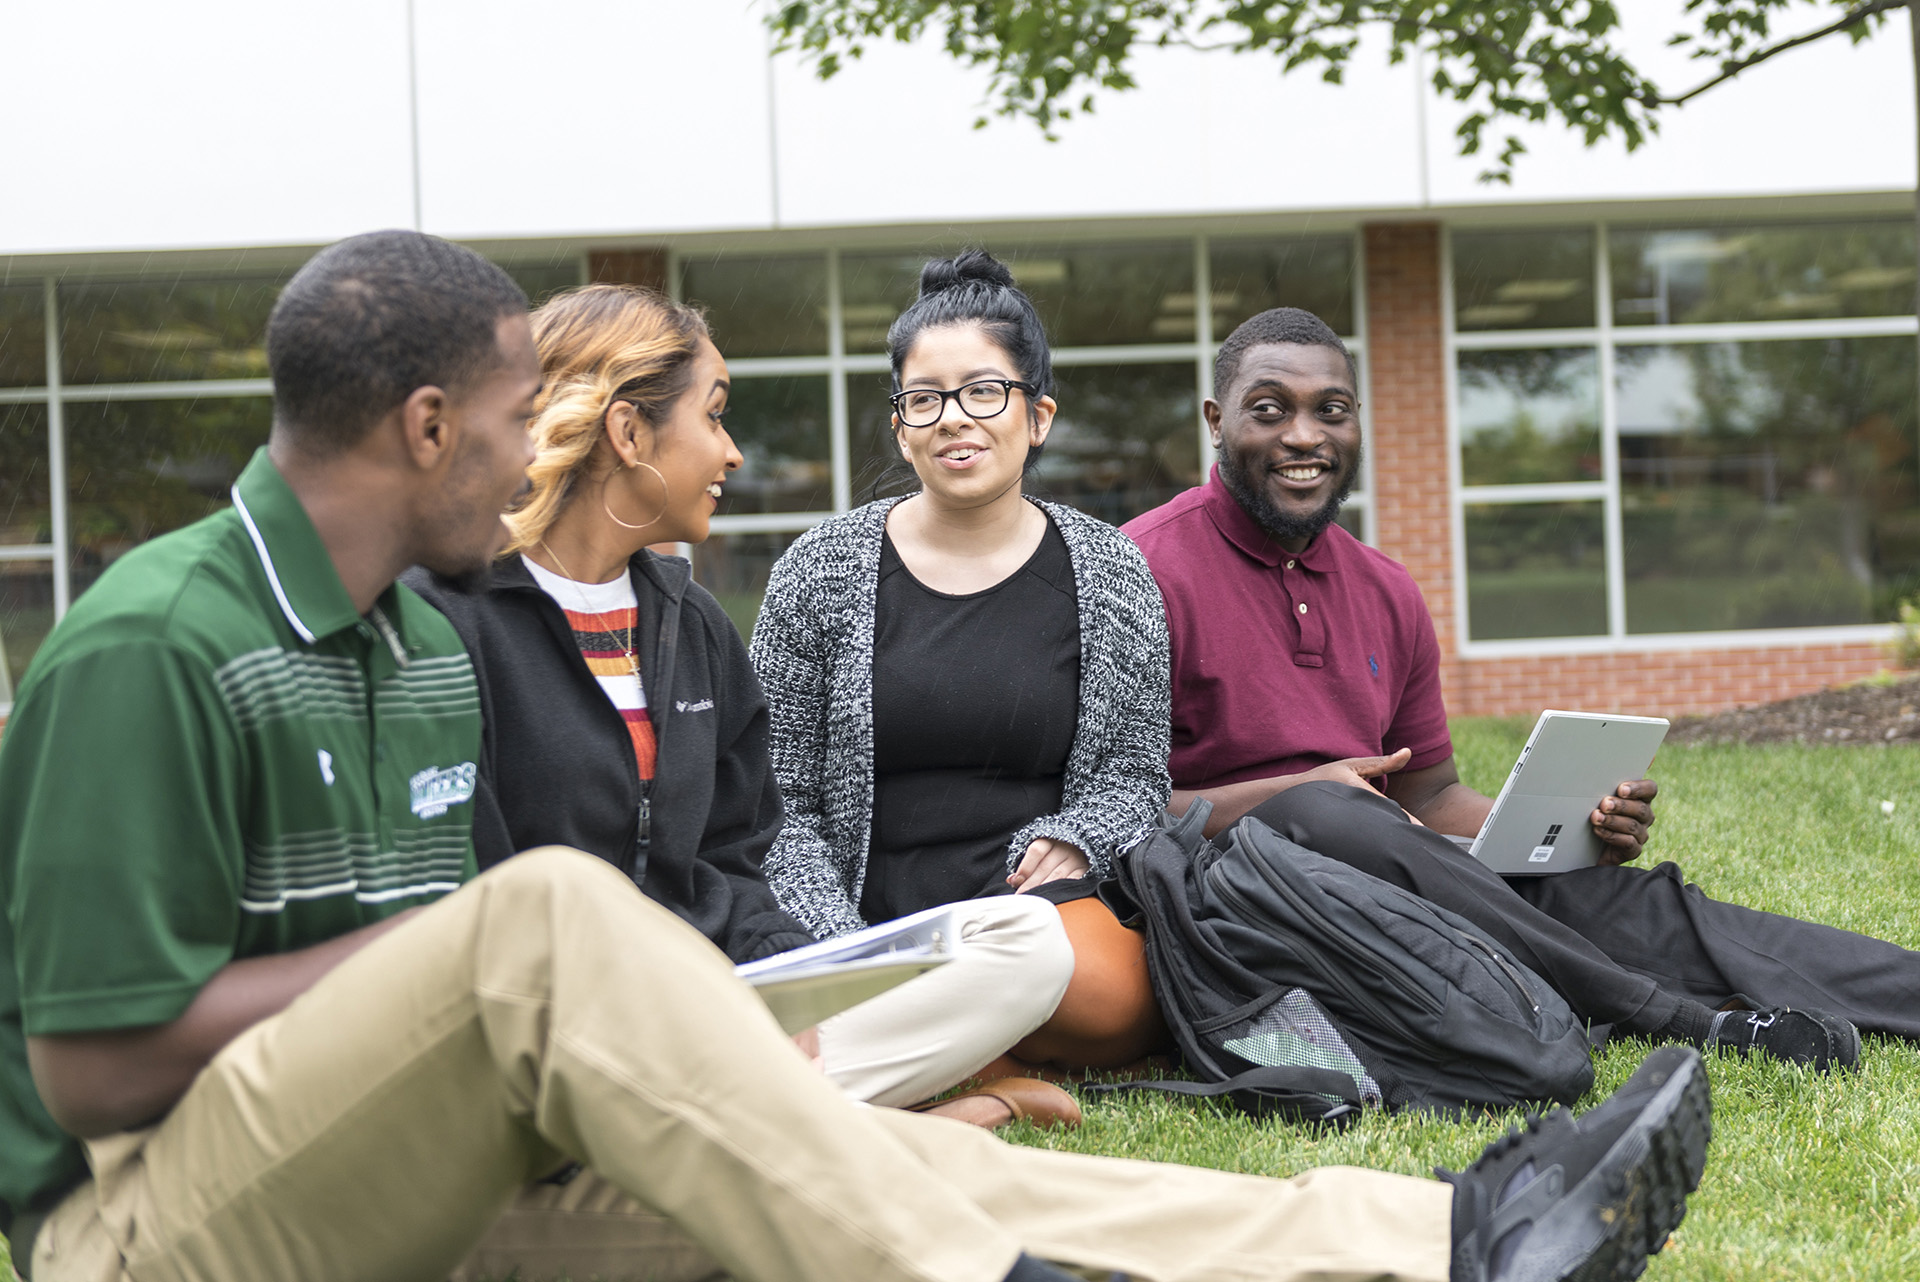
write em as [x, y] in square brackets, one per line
[557, 764]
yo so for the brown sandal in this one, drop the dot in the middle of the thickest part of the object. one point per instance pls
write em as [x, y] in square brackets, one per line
[1042, 1103]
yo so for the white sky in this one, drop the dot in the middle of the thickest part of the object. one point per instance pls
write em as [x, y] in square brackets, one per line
[210, 123]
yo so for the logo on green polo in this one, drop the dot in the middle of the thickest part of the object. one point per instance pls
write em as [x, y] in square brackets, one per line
[434, 789]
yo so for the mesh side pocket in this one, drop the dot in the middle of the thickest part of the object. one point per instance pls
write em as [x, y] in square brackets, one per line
[1295, 1033]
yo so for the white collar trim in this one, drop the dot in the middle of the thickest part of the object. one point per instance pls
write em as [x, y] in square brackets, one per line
[266, 563]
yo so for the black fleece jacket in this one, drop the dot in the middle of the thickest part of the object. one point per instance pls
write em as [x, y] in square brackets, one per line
[557, 765]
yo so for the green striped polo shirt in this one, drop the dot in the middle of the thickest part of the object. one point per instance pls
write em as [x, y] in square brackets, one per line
[214, 757]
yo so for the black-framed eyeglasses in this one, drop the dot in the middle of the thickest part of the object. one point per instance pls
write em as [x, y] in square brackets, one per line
[923, 406]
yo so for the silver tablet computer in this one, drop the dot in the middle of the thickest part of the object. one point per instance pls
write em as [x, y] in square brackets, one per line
[1541, 819]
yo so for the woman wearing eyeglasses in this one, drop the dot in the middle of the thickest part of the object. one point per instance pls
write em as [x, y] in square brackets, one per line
[621, 715]
[969, 686]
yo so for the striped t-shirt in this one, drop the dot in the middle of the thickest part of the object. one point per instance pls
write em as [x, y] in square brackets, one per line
[603, 617]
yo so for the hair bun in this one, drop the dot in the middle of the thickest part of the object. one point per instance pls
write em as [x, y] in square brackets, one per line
[968, 267]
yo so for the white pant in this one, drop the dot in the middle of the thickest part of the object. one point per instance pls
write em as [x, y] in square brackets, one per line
[916, 1040]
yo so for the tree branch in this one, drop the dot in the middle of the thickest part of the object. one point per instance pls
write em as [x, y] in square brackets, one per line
[1852, 19]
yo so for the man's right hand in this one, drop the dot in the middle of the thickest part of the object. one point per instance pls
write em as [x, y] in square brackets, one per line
[1233, 800]
[1356, 772]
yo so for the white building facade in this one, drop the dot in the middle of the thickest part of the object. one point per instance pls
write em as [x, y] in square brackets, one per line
[1642, 425]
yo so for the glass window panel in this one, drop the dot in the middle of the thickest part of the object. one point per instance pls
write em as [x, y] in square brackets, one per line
[1536, 570]
[1250, 276]
[1523, 279]
[761, 306]
[542, 280]
[181, 328]
[1529, 416]
[878, 469]
[1800, 271]
[1124, 440]
[136, 469]
[734, 567]
[1768, 484]
[781, 427]
[23, 336]
[26, 507]
[1087, 295]
[1096, 295]
[1353, 520]
[875, 288]
[26, 616]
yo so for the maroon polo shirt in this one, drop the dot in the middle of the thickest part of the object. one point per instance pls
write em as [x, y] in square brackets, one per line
[1284, 661]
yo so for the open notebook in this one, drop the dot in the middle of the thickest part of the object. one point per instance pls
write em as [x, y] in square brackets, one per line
[805, 985]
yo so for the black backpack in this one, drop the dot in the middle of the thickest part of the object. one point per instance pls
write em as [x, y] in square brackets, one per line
[1296, 984]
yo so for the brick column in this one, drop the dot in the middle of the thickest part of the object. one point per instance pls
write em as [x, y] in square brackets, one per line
[628, 267]
[1406, 417]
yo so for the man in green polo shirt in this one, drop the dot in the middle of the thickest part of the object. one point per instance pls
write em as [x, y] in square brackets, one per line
[257, 1023]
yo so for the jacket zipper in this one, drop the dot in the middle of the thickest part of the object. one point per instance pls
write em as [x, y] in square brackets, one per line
[1507, 966]
[659, 701]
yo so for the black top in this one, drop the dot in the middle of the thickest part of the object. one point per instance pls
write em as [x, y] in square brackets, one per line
[976, 700]
[557, 765]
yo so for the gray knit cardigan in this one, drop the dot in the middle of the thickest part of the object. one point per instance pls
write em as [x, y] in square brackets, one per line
[813, 650]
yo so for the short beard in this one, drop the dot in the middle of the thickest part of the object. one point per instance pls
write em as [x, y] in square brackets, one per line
[1284, 528]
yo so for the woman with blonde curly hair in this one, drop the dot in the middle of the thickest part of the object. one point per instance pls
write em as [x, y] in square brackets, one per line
[622, 716]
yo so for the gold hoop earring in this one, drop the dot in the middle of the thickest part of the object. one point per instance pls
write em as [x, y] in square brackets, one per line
[665, 499]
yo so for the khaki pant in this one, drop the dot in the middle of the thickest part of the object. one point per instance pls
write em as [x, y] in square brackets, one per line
[914, 1041]
[381, 1126]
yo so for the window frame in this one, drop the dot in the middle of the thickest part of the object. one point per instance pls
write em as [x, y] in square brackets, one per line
[838, 364]
[1607, 339]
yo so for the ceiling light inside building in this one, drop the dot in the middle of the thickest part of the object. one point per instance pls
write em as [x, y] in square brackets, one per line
[1537, 291]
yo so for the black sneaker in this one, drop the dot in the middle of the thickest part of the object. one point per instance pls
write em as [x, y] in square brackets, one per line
[1587, 1199]
[1821, 1041]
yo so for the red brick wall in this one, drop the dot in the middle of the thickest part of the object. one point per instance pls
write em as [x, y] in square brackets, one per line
[1406, 414]
[1665, 682]
[1406, 424]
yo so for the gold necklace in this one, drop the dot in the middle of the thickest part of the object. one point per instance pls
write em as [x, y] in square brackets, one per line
[633, 660]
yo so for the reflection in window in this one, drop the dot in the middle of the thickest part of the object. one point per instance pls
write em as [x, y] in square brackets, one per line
[1523, 279]
[1313, 273]
[1536, 570]
[26, 616]
[1768, 484]
[1087, 295]
[875, 288]
[1124, 440]
[781, 428]
[1676, 276]
[136, 469]
[878, 470]
[26, 507]
[761, 306]
[165, 329]
[1529, 416]
[1095, 295]
[23, 336]
[542, 280]
[734, 567]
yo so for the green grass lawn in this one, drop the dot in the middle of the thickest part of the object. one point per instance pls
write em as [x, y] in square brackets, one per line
[1809, 1177]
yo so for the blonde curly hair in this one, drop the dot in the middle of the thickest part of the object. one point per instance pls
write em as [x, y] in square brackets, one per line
[598, 344]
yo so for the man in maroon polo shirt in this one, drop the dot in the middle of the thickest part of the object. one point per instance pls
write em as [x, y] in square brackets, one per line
[1306, 684]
